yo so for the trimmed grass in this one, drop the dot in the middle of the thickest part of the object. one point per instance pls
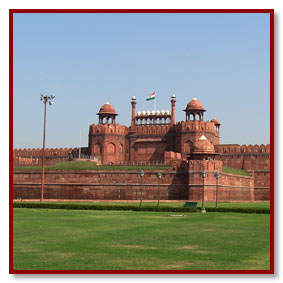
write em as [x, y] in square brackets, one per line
[127, 240]
[88, 165]
[230, 170]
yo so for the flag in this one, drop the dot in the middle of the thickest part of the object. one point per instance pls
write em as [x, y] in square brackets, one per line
[151, 96]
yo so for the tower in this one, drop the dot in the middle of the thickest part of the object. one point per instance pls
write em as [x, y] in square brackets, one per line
[217, 124]
[173, 102]
[134, 102]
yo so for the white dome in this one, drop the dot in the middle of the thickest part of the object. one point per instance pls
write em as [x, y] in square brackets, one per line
[167, 111]
[133, 98]
[139, 113]
[162, 112]
[143, 112]
[202, 138]
[157, 112]
[173, 95]
[153, 112]
[147, 112]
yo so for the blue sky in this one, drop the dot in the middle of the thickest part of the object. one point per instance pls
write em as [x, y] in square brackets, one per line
[88, 59]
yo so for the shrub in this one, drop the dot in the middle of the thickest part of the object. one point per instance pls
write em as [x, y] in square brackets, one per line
[136, 208]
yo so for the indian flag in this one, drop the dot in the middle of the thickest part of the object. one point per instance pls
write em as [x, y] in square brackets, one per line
[151, 96]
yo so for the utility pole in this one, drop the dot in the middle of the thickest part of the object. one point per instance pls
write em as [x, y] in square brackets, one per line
[44, 99]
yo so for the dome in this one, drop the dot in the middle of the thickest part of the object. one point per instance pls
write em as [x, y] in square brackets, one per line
[139, 113]
[194, 105]
[107, 108]
[203, 145]
[215, 121]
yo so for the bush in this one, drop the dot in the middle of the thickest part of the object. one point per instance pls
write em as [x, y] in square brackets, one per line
[136, 208]
[259, 210]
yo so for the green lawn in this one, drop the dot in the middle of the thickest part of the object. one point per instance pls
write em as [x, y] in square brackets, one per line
[235, 171]
[46, 239]
[88, 165]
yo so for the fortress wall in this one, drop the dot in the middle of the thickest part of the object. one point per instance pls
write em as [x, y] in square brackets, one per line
[32, 157]
[254, 159]
[125, 185]
[230, 187]
[100, 185]
[236, 148]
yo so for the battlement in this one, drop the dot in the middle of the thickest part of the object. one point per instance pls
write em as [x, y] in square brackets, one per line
[195, 126]
[152, 129]
[239, 149]
[62, 152]
[115, 129]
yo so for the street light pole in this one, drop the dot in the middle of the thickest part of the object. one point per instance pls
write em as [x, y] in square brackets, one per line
[202, 205]
[141, 174]
[217, 176]
[44, 98]
[158, 177]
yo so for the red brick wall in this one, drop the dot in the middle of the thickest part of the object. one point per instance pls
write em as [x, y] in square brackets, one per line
[115, 185]
[33, 156]
[253, 158]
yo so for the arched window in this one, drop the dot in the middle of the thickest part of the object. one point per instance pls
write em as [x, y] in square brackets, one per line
[121, 149]
[188, 146]
[97, 148]
[111, 148]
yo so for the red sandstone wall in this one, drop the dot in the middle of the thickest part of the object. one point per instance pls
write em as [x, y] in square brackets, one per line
[253, 158]
[126, 186]
[230, 188]
[32, 157]
[99, 185]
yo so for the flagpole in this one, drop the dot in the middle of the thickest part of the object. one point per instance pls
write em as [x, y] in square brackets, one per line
[154, 104]
[80, 144]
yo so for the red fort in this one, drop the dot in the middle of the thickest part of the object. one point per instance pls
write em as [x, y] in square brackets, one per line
[154, 137]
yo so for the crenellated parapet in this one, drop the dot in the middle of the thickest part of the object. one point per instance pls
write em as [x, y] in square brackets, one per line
[195, 125]
[205, 165]
[240, 149]
[37, 152]
[114, 129]
[152, 130]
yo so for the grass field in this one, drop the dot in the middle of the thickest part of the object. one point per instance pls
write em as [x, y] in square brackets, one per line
[126, 240]
[88, 165]
[235, 171]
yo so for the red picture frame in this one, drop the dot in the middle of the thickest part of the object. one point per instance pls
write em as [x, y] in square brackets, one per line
[268, 11]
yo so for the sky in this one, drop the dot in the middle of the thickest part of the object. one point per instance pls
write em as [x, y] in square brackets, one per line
[85, 60]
